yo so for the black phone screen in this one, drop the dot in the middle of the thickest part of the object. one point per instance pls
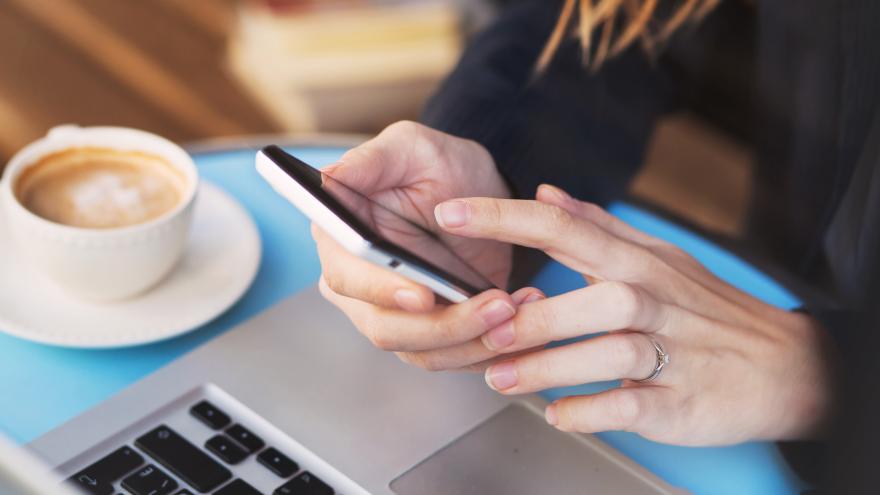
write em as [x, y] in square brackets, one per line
[386, 229]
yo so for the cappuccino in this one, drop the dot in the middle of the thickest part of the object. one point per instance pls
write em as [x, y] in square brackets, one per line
[100, 187]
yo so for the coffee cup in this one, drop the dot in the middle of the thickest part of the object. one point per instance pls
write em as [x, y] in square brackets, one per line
[103, 212]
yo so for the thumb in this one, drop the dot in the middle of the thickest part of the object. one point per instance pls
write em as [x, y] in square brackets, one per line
[368, 169]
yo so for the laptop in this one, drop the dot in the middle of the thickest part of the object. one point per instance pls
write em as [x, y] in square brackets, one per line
[296, 402]
[23, 474]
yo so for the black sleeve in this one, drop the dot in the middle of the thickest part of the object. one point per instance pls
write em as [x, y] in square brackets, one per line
[855, 437]
[570, 127]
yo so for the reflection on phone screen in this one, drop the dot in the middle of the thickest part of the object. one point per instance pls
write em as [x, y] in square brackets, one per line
[412, 235]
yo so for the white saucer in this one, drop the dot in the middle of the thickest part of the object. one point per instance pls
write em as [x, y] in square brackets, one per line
[220, 262]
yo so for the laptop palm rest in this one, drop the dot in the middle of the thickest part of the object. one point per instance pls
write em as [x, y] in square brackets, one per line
[517, 452]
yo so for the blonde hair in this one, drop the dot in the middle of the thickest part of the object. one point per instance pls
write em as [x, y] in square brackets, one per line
[603, 14]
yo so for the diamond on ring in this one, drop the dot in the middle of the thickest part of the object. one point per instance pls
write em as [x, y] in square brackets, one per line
[662, 361]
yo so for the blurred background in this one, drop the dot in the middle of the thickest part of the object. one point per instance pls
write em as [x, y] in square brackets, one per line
[203, 69]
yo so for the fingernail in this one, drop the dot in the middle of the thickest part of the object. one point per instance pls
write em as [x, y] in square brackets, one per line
[496, 312]
[533, 297]
[501, 376]
[499, 337]
[408, 300]
[451, 213]
[522, 298]
[550, 415]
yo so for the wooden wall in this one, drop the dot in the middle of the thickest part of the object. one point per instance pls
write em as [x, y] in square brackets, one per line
[158, 65]
[151, 64]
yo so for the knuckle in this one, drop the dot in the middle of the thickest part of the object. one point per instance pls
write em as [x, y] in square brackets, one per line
[626, 408]
[628, 353]
[375, 293]
[569, 417]
[559, 220]
[413, 359]
[430, 362]
[381, 341]
[445, 329]
[540, 319]
[424, 360]
[542, 373]
[371, 153]
[405, 357]
[422, 138]
[652, 262]
[373, 330]
[351, 153]
[334, 282]
[646, 261]
[490, 211]
[406, 127]
[358, 153]
[628, 299]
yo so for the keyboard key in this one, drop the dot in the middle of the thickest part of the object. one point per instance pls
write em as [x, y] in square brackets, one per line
[277, 462]
[149, 481]
[116, 464]
[184, 492]
[304, 484]
[185, 460]
[98, 478]
[91, 485]
[245, 438]
[226, 449]
[237, 487]
[207, 413]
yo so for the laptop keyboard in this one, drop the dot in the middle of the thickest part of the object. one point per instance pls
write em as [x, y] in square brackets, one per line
[146, 468]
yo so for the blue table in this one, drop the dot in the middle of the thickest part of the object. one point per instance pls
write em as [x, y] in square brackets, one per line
[41, 386]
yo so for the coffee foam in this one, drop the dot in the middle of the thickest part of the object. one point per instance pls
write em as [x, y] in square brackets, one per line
[100, 188]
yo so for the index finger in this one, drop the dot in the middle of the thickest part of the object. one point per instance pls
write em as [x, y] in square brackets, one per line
[571, 240]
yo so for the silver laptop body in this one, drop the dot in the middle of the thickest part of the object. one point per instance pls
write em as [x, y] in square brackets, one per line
[302, 379]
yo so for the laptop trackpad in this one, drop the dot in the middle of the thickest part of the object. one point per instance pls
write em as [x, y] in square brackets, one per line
[517, 452]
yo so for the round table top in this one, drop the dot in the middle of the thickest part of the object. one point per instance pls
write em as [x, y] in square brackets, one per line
[43, 386]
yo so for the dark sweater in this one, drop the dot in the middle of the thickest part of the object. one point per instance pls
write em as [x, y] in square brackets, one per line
[799, 79]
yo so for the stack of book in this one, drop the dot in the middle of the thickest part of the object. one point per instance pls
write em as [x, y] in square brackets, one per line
[344, 65]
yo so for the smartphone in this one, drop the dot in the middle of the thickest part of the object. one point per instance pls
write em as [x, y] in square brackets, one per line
[370, 230]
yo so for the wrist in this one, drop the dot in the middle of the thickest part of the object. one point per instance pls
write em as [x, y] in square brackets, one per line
[811, 395]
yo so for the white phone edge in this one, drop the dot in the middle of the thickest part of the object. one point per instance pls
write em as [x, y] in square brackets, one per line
[315, 211]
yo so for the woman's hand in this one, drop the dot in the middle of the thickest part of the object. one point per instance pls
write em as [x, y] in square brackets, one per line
[739, 369]
[410, 168]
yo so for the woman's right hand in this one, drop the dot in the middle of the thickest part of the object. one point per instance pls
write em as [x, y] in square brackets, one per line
[410, 168]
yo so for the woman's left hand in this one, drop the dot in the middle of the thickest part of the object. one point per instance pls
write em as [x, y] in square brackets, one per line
[739, 369]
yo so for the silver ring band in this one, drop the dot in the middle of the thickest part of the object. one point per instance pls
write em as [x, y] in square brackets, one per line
[662, 360]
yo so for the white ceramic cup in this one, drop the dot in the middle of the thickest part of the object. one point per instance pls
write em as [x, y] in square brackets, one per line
[100, 264]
